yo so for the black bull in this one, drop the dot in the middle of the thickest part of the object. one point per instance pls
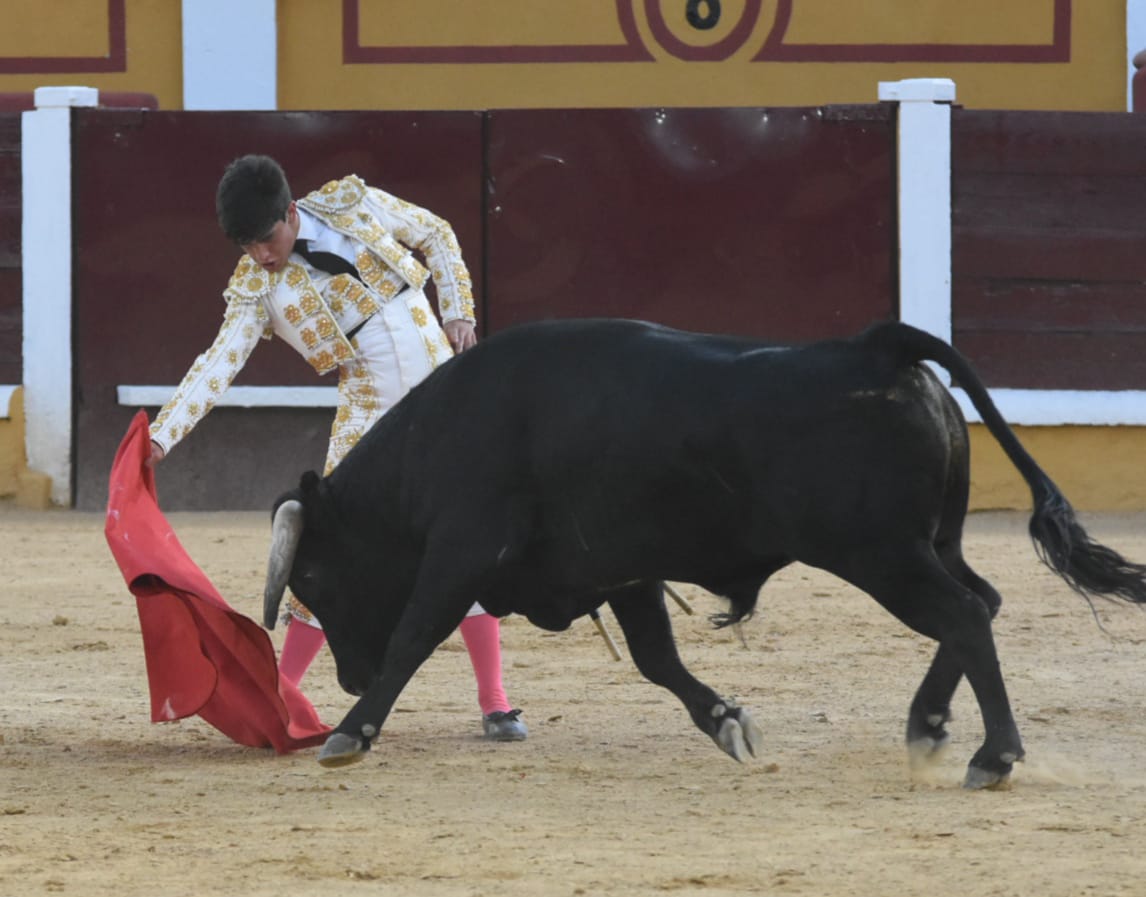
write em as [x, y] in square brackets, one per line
[563, 465]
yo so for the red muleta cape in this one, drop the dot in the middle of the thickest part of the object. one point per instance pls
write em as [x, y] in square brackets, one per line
[202, 657]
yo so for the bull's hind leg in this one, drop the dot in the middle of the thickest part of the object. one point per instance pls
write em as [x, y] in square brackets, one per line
[931, 708]
[640, 611]
[922, 593]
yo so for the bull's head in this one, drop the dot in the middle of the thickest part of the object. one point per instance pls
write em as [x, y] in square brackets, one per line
[339, 573]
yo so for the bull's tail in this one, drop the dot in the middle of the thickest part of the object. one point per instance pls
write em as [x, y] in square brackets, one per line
[1061, 542]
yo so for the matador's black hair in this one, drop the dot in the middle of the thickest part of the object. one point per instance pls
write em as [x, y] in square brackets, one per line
[253, 194]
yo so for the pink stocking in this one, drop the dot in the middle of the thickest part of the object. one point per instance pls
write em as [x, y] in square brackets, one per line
[482, 635]
[300, 647]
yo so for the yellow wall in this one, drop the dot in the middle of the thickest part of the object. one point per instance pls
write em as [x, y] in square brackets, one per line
[28, 488]
[12, 445]
[313, 76]
[1098, 468]
[312, 72]
[79, 29]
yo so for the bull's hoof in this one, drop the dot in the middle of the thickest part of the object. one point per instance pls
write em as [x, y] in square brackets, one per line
[923, 729]
[986, 780]
[925, 752]
[996, 778]
[341, 749]
[739, 736]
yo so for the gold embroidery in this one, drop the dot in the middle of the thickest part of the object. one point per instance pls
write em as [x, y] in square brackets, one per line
[311, 303]
[386, 264]
[370, 269]
[292, 314]
[366, 304]
[309, 338]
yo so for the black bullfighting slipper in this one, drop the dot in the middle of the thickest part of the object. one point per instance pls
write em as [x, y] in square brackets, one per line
[504, 726]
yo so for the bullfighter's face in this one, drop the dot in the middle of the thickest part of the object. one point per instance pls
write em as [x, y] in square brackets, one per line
[272, 251]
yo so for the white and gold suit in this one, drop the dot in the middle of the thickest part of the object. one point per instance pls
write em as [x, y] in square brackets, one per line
[397, 346]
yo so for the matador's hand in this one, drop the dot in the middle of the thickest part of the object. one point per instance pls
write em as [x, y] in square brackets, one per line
[461, 335]
[157, 454]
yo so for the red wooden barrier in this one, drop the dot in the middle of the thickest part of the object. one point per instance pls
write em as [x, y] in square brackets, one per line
[1048, 262]
[108, 99]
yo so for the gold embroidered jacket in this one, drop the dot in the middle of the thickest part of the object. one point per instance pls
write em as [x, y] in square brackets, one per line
[313, 310]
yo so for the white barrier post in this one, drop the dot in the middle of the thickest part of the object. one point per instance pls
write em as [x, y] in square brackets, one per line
[924, 200]
[230, 54]
[46, 171]
[924, 203]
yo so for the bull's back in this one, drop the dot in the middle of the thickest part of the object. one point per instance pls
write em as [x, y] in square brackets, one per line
[557, 392]
[703, 449]
[628, 434]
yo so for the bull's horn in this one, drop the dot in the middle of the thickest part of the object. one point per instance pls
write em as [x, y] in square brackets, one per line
[286, 529]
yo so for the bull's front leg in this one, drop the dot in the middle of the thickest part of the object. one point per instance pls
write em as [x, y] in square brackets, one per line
[640, 611]
[423, 627]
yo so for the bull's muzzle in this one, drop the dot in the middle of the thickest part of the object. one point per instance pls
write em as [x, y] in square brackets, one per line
[286, 529]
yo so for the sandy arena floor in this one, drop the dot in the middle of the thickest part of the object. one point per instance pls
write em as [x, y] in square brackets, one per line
[615, 792]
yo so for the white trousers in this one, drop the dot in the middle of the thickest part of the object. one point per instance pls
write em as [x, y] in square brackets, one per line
[392, 356]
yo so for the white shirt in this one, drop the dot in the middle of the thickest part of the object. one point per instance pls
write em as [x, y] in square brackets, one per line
[323, 238]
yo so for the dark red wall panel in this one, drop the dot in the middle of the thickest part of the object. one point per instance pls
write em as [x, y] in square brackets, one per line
[151, 265]
[1048, 263]
[772, 222]
[11, 296]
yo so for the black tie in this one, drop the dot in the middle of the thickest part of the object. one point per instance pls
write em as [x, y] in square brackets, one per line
[330, 262]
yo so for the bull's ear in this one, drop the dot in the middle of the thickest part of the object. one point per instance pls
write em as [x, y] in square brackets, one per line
[314, 492]
[308, 485]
